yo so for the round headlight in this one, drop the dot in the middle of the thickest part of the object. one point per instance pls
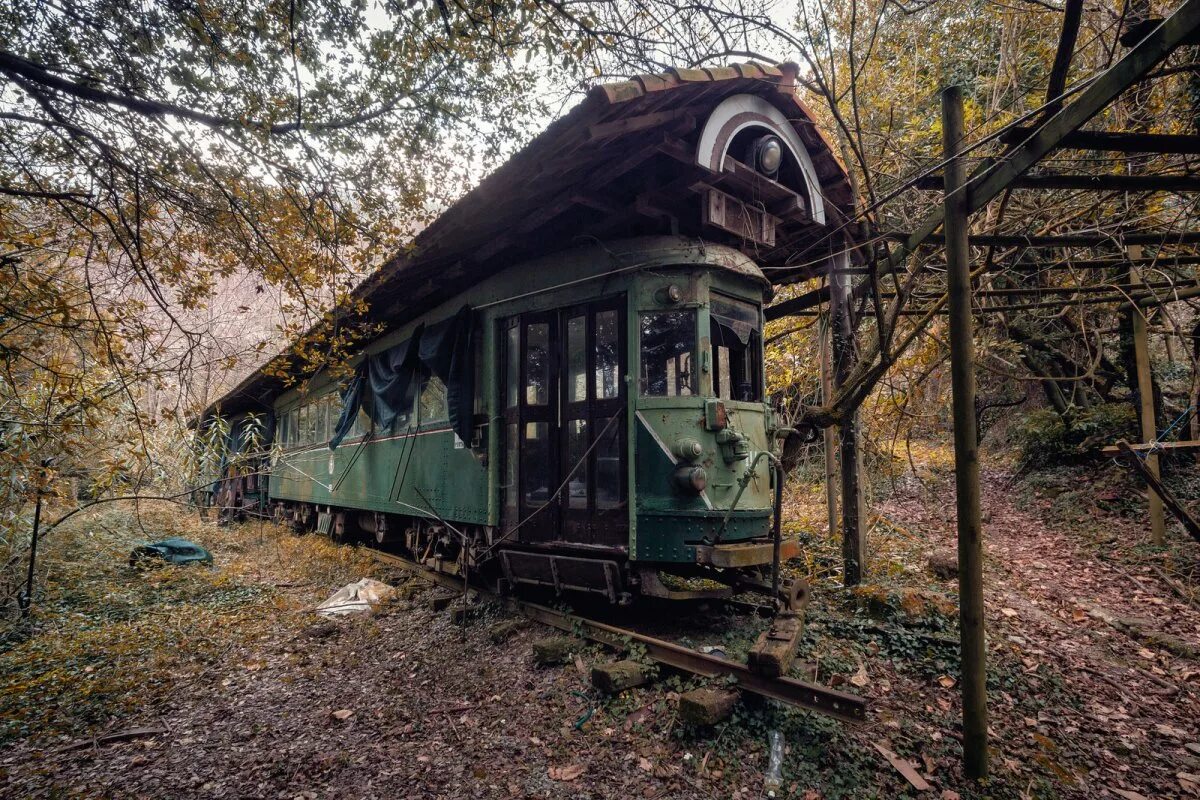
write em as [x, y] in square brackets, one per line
[689, 449]
[770, 155]
[691, 479]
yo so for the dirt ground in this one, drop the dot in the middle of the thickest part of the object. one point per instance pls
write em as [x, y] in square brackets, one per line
[221, 683]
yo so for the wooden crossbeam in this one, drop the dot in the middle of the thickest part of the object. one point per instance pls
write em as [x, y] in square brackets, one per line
[1115, 449]
[1139, 30]
[1098, 183]
[1059, 240]
[989, 180]
[1114, 141]
[1169, 500]
[1151, 300]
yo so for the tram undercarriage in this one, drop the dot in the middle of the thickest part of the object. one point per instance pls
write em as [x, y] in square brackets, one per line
[479, 554]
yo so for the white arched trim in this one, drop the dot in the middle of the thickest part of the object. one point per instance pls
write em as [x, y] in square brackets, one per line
[741, 111]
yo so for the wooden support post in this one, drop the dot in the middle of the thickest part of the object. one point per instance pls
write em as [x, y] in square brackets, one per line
[1145, 385]
[966, 457]
[831, 487]
[854, 539]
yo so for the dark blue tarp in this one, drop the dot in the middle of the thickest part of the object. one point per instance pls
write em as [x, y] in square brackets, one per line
[351, 396]
[392, 381]
[386, 382]
[447, 353]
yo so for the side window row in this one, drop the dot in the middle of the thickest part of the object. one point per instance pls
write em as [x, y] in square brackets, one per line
[311, 423]
[314, 422]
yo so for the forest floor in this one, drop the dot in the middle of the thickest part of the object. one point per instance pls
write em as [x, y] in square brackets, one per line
[221, 682]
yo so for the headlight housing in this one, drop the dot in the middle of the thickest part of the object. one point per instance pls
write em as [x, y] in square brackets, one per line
[691, 479]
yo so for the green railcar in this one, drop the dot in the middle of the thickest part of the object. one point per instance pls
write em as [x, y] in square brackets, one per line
[569, 389]
[618, 425]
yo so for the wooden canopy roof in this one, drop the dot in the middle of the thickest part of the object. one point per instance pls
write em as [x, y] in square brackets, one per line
[621, 163]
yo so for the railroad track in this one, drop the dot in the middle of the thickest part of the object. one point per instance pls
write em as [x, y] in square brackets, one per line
[839, 705]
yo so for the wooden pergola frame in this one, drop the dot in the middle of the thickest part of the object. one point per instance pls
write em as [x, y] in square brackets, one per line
[1149, 42]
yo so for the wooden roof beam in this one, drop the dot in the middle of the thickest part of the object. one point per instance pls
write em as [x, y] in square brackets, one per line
[1114, 141]
[990, 180]
[1098, 183]
[1058, 240]
[1138, 31]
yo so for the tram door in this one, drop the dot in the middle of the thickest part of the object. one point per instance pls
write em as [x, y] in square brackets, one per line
[564, 397]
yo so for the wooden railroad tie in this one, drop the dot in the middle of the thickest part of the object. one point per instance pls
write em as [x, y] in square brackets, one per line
[775, 650]
[555, 650]
[618, 676]
[707, 706]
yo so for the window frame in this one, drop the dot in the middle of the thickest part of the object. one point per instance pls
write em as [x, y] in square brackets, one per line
[693, 352]
[418, 410]
[754, 350]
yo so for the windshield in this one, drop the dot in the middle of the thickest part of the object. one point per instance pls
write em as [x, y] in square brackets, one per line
[737, 349]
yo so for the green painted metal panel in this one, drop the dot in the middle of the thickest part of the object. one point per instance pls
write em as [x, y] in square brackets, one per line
[672, 537]
[421, 474]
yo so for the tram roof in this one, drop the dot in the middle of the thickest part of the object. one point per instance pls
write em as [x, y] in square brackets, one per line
[621, 163]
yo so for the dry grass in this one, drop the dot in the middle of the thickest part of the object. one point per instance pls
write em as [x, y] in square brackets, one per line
[106, 640]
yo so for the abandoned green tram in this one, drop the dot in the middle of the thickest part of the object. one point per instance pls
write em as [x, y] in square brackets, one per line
[569, 390]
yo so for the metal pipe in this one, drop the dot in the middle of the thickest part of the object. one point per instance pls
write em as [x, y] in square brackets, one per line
[743, 482]
[777, 532]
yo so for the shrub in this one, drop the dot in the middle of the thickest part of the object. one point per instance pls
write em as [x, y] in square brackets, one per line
[1048, 439]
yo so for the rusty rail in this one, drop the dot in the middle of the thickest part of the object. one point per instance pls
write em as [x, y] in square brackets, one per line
[839, 705]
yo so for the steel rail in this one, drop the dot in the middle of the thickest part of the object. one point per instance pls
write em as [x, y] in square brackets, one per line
[839, 705]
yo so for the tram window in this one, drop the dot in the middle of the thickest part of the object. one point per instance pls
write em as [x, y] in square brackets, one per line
[535, 463]
[577, 359]
[511, 451]
[292, 433]
[577, 446]
[607, 357]
[737, 347]
[362, 423]
[512, 377]
[404, 417]
[305, 414]
[334, 403]
[433, 407]
[537, 364]
[322, 424]
[608, 465]
[668, 341]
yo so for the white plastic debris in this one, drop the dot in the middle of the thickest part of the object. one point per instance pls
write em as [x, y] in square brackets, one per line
[774, 776]
[356, 598]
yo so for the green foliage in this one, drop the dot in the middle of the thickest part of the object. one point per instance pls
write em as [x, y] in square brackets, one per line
[1047, 439]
